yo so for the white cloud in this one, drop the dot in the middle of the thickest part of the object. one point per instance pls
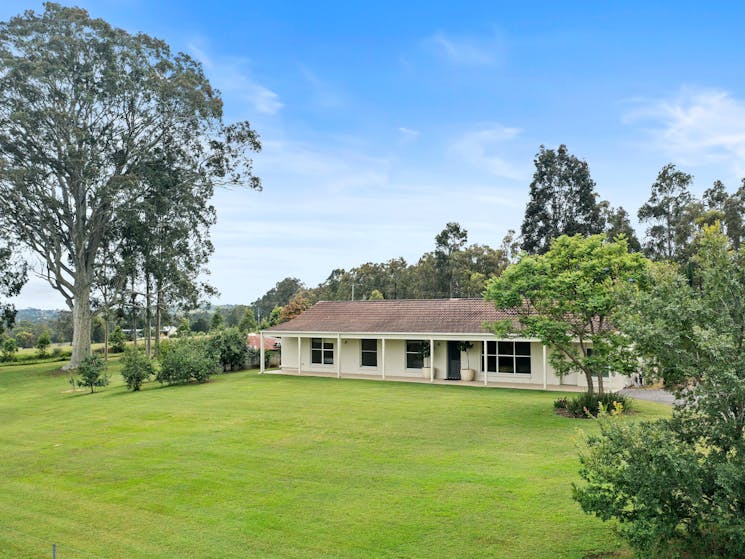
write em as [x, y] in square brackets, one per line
[483, 148]
[408, 134]
[466, 51]
[695, 127]
[231, 76]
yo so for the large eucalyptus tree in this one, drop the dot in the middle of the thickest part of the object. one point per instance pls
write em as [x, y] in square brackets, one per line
[83, 107]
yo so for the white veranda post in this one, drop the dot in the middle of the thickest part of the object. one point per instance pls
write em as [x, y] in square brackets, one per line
[299, 353]
[338, 356]
[382, 367]
[261, 352]
[545, 372]
[431, 360]
[483, 362]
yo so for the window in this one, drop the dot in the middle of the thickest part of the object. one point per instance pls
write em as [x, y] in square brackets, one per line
[369, 353]
[414, 354]
[507, 357]
[322, 351]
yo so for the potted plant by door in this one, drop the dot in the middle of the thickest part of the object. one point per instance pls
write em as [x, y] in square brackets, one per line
[467, 374]
[427, 369]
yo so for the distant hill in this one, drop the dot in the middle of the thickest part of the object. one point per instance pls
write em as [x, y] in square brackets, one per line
[36, 315]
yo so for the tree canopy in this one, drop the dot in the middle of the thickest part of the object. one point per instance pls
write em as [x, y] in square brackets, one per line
[85, 108]
[566, 298]
[562, 200]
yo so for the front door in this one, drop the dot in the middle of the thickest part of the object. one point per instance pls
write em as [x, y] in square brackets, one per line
[453, 361]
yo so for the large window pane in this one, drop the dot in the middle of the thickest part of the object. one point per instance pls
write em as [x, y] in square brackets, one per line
[315, 343]
[522, 348]
[523, 365]
[369, 353]
[315, 356]
[506, 348]
[506, 364]
[491, 363]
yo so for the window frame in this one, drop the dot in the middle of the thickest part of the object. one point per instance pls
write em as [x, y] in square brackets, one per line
[325, 352]
[500, 356]
[419, 354]
[364, 351]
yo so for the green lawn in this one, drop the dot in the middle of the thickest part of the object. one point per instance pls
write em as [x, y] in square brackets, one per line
[270, 466]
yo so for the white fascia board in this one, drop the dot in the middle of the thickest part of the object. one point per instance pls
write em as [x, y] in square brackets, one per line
[402, 336]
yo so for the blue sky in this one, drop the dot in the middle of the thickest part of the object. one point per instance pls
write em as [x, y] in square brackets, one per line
[382, 122]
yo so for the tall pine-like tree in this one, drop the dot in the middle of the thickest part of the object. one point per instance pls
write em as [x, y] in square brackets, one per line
[562, 200]
[671, 212]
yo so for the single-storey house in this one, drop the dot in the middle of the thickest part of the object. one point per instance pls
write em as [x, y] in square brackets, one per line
[424, 339]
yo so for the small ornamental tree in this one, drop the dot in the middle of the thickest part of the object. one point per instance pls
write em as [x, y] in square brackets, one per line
[91, 372]
[117, 340]
[9, 347]
[566, 297]
[43, 343]
[137, 368]
[231, 348]
[188, 360]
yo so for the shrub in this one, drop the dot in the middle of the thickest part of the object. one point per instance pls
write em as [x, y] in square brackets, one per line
[43, 343]
[117, 340]
[92, 372]
[137, 368]
[10, 347]
[57, 352]
[586, 403]
[231, 348]
[25, 339]
[187, 360]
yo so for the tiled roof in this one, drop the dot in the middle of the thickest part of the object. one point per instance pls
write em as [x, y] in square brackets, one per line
[254, 340]
[437, 316]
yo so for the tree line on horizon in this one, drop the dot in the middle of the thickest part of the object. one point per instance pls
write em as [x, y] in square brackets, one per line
[563, 200]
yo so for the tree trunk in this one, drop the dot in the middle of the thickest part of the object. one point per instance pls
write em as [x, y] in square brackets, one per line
[81, 325]
[106, 336]
[590, 382]
[600, 383]
[134, 312]
[158, 324]
[148, 316]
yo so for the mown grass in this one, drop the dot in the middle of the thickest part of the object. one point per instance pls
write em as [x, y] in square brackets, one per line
[272, 466]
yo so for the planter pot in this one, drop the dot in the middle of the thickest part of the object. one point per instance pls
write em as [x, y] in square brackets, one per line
[426, 372]
[467, 375]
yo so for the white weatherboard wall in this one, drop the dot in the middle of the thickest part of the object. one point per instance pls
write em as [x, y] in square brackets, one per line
[395, 362]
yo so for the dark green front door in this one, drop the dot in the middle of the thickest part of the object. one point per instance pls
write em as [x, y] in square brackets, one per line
[453, 361]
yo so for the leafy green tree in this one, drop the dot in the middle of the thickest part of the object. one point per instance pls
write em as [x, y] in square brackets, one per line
[566, 298]
[728, 209]
[184, 328]
[677, 486]
[92, 372]
[188, 360]
[117, 340]
[42, 343]
[25, 339]
[273, 319]
[448, 244]
[217, 322]
[671, 211]
[617, 223]
[231, 347]
[84, 107]
[137, 368]
[9, 348]
[376, 295]
[277, 296]
[248, 322]
[12, 278]
[562, 200]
